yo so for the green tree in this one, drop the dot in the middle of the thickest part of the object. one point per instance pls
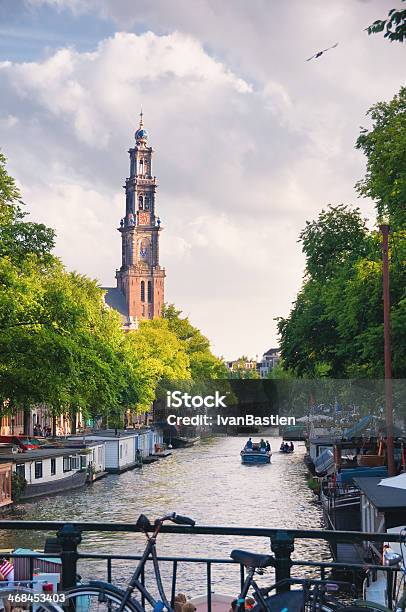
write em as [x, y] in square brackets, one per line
[385, 148]
[59, 344]
[335, 327]
[240, 369]
[394, 25]
[339, 234]
[19, 238]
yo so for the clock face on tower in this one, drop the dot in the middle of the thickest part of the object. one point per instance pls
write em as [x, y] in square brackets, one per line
[143, 249]
[143, 218]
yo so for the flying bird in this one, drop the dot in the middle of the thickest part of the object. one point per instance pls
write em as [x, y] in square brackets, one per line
[316, 55]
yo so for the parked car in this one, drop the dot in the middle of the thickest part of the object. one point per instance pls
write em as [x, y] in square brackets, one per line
[23, 442]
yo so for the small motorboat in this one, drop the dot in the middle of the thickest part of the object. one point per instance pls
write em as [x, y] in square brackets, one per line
[285, 448]
[255, 455]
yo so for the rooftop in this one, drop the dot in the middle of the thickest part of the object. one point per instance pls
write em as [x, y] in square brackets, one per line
[115, 299]
[38, 454]
[383, 498]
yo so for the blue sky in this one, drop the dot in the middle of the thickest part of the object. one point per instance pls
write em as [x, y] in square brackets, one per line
[30, 33]
[251, 140]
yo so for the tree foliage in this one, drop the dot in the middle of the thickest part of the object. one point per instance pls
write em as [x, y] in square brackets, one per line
[385, 148]
[339, 234]
[59, 343]
[241, 371]
[335, 327]
[394, 25]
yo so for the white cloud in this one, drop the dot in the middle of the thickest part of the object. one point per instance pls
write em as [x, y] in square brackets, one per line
[251, 141]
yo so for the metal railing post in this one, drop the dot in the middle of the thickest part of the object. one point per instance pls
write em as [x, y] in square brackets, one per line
[209, 587]
[174, 577]
[69, 537]
[282, 545]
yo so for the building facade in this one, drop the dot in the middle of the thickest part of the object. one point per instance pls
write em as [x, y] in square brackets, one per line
[268, 362]
[140, 280]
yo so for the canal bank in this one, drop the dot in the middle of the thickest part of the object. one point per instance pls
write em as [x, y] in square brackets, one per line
[207, 482]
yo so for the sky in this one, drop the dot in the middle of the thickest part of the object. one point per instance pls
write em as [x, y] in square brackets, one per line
[250, 139]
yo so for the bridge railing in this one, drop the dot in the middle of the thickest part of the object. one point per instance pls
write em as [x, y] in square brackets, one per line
[282, 543]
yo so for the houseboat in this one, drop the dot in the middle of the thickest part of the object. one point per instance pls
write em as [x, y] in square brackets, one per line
[316, 446]
[95, 454]
[126, 449]
[6, 470]
[48, 470]
[120, 451]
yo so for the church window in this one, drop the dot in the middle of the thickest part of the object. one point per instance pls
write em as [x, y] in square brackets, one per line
[141, 203]
[142, 291]
[149, 292]
[146, 203]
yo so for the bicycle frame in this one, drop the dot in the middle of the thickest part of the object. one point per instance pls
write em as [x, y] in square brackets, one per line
[136, 582]
[320, 589]
[248, 582]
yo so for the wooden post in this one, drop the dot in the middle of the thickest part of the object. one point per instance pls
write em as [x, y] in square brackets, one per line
[387, 350]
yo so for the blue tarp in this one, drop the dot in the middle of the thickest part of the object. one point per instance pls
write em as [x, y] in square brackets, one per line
[358, 427]
[346, 476]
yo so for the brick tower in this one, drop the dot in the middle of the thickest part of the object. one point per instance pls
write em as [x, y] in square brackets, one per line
[140, 280]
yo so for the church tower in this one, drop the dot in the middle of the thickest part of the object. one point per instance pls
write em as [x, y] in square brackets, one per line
[140, 278]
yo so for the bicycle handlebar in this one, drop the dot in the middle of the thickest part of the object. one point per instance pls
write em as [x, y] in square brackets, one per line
[144, 523]
[183, 520]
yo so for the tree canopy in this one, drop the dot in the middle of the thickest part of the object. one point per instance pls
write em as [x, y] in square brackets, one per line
[61, 346]
[384, 145]
[335, 327]
[394, 25]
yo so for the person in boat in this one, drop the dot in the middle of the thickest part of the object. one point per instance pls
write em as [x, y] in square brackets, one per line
[291, 447]
[268, 447]
[248, 445]
[262, 445]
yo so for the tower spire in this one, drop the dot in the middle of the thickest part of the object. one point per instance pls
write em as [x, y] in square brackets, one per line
[141, 278]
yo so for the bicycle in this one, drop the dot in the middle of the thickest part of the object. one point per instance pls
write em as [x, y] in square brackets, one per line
[314, 596]
[98, 595]
[399, 600]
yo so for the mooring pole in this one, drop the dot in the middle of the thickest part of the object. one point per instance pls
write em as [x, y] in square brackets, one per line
[384, 227]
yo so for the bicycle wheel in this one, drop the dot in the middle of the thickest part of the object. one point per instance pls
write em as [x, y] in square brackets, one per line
[23, 598]
[98, 598]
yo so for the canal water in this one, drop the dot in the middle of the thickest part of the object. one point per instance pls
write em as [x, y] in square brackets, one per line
[206, 482]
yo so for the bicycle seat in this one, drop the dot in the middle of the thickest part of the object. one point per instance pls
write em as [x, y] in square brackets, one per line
[143, 523]
[291, 600]
[249, 559]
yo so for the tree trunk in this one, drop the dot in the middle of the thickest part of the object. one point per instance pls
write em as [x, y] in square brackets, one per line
[53, 426]
[27, 421]
[73, 421]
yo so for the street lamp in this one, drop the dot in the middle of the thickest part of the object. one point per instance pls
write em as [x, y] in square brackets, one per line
[385, 228]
